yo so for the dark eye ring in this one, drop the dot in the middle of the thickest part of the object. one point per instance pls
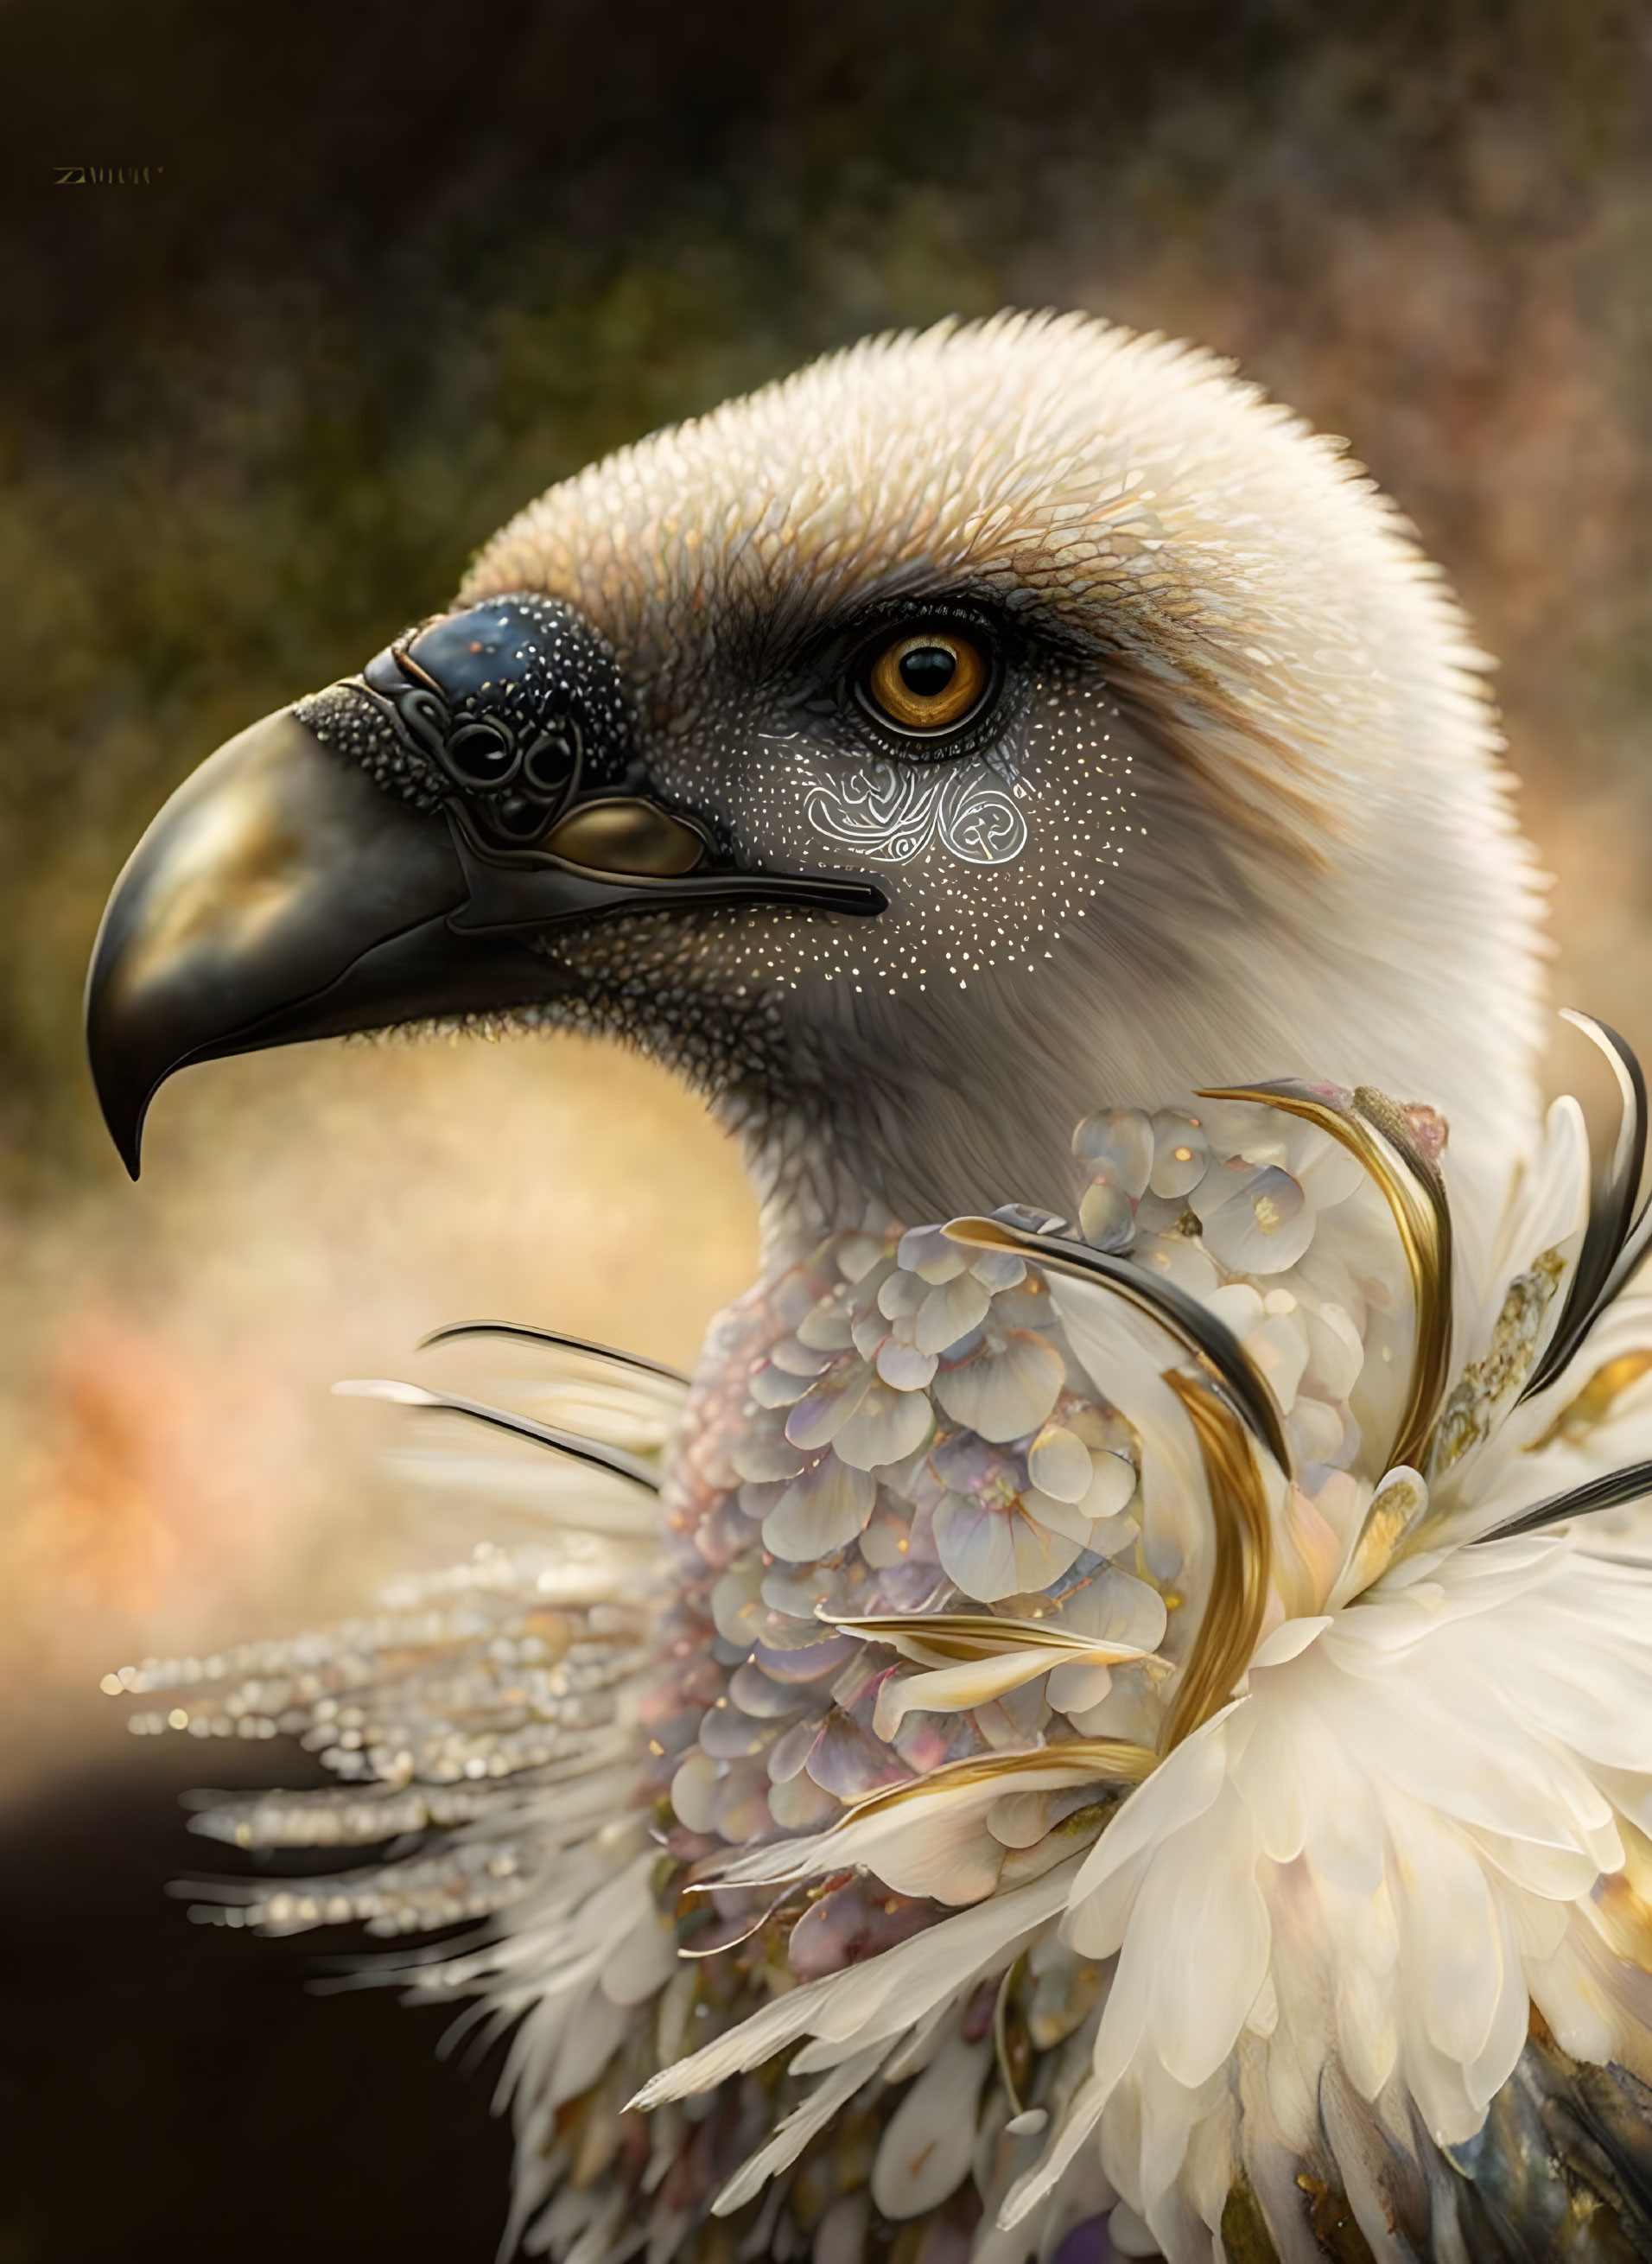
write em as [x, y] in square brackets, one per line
[926, 681]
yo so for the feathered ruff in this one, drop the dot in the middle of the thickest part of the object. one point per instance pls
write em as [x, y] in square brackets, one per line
[1423, 1822]
[1276, 1857]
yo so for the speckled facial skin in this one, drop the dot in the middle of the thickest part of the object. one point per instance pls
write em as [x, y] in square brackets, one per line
[1266, 832]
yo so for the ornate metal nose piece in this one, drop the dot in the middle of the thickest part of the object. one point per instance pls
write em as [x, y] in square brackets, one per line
[490, 701]
[460, 694]
[510, 718]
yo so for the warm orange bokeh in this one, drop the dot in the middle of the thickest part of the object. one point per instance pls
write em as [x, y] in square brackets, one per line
[183, 1478]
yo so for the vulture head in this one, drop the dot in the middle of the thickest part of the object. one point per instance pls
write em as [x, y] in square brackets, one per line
[976, 723]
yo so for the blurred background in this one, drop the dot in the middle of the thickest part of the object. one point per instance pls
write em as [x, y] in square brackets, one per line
[397, 266]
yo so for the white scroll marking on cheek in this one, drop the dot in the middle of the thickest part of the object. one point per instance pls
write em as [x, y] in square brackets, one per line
[891, 812]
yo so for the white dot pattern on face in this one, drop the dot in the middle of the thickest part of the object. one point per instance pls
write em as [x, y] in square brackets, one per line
[782, 1019]
[1066, 772]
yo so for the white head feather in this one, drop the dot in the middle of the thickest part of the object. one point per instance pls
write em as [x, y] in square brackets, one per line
[1267, 830]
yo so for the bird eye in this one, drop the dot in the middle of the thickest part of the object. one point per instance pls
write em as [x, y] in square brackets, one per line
[927, 682]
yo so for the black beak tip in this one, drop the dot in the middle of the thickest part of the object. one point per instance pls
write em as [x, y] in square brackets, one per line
[129, 1142]
[123, 1098]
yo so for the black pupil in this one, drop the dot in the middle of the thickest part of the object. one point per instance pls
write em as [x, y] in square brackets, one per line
[927, 670]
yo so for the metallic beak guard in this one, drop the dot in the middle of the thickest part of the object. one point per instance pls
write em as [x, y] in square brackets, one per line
[281, 894]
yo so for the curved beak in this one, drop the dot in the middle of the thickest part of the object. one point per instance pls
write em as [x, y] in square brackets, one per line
[280, 895]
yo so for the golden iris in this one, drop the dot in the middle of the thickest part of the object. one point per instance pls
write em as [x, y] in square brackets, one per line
[928, 682]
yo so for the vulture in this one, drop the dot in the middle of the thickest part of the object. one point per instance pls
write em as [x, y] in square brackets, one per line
[1113, 1716]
